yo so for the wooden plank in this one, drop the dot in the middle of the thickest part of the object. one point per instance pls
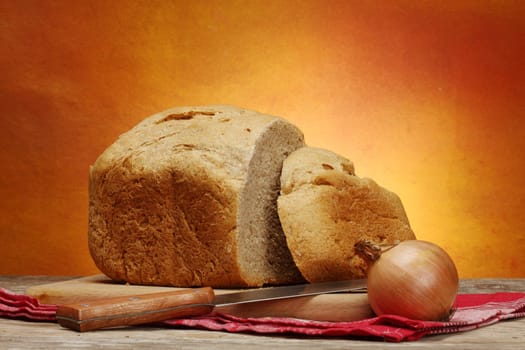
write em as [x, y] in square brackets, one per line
[325, 307]
[26, 335]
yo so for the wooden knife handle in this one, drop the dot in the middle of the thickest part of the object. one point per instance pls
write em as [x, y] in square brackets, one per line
[136, 309]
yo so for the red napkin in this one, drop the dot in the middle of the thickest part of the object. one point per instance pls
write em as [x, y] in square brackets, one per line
[22, 306]
[473, 311]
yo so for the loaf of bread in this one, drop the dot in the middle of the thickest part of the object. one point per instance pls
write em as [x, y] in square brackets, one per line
[200, 196]
[324, 209]
[188, 198]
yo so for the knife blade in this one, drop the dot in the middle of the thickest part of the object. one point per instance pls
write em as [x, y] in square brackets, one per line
[155, 307]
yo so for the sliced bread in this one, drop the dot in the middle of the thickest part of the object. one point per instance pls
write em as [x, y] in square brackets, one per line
[188, 198]
[325, 209]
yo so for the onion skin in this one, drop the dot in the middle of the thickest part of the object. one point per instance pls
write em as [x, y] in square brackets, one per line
[415, 279]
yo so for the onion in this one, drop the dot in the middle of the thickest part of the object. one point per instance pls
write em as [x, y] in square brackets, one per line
[415, 279]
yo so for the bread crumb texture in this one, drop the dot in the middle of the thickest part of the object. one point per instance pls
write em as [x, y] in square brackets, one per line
[165, 200]
[325, 209]
[226, 197]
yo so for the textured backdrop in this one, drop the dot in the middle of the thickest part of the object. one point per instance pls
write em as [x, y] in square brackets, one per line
[425, 98]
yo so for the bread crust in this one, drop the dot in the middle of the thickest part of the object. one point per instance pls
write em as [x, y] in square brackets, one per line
[347, 209]
[164, 199]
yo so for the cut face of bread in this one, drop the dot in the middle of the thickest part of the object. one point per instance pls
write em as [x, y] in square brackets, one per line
[325, 209]
[188, 198]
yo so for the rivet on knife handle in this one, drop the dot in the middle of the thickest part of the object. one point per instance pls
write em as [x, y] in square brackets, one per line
[136, 309]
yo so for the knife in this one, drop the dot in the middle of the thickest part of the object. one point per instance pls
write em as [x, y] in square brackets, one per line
[160, 306]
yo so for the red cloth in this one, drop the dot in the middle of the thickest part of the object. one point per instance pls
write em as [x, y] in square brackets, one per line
[473, 311]
[23, 306]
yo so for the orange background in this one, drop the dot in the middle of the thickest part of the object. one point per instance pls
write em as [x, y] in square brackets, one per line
[426, 98]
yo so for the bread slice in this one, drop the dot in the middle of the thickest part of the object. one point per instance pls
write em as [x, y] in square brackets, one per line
[188, 198]
[325, 209]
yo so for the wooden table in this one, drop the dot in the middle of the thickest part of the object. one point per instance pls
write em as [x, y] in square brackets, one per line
[17, 334]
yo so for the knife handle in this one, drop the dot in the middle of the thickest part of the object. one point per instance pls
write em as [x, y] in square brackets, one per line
[136, 309]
